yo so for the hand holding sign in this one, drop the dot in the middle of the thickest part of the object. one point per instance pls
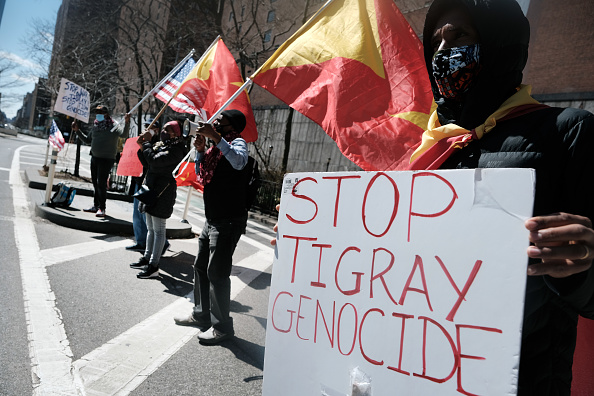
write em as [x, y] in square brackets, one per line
[73, 101]
[400, 274]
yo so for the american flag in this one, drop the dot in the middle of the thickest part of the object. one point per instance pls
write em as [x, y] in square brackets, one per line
[55, 137]
[166, 90]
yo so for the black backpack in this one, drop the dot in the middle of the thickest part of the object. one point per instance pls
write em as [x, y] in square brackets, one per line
[64, 196]
[254, 181]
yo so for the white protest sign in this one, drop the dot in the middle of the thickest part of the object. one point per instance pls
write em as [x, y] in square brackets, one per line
[415, 278]
[73, 100]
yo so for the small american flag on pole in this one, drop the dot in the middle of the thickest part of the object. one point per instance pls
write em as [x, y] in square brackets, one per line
[166, 90]
[55, 137]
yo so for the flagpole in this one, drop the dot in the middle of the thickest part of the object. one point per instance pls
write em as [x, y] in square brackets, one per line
[175, 94]
[212, 118]
[173, 71]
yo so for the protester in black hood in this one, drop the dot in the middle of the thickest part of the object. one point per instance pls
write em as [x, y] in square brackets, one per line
[504, 34]
[475, 51]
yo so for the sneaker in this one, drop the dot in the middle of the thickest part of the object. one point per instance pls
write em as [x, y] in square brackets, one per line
[92, 209]
[213, 336]
[140, 264]
[165, 247]
[148, 272]
[100, 213]
[189, 320]
[136, 248]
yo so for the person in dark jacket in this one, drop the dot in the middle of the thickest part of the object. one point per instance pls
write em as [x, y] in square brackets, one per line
[104, 147]
[138, 217]
[160, 158]
[223, 173]
[475, 51]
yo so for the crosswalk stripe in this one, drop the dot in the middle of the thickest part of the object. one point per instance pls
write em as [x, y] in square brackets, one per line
[62, 254]
[51, 357]
[122, 364]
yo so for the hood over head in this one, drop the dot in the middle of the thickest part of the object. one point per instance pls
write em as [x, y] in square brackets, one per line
[504, 35]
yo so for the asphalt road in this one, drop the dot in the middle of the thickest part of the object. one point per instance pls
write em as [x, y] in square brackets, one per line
[76, 320]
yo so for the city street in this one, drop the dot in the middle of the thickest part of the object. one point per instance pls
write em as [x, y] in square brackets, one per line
[77, 321]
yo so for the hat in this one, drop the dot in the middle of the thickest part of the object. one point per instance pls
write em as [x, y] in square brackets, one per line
[236, 119]
[175, 126]
[150, 121]
[102, 109]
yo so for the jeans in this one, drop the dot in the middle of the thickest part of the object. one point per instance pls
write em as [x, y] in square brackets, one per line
[155, 239]
[212, 269]
[100, 169]
[139, 221]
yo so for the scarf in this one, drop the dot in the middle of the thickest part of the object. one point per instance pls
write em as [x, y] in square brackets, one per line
[107, 123]
[439, 142]
[211, 160]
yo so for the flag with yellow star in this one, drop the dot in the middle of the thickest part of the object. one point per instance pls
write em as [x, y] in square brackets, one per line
[356, 68]
[213, 80]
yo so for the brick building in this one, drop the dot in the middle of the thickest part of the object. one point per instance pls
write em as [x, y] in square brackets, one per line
[559, 67]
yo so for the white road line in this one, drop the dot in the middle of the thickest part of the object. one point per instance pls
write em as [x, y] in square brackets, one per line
[49, 350]
[122, 364]
[5, 169]
[62, 254]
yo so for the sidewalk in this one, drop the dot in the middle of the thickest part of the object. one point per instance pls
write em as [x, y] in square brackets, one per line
[118, 219]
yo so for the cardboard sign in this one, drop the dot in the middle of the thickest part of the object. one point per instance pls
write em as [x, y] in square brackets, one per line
[399, 283]
[129, 164]
[73, 100]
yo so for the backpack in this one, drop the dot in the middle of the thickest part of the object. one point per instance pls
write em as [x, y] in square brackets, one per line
[254, 182]
[64, 196]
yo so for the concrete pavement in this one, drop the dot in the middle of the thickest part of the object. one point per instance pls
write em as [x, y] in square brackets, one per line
[118, 219]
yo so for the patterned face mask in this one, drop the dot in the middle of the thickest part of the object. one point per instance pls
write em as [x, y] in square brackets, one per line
[455, 68]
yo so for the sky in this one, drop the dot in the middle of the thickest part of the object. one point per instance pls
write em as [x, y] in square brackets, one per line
[16, 22]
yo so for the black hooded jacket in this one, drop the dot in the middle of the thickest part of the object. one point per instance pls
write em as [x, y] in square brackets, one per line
[557, 143]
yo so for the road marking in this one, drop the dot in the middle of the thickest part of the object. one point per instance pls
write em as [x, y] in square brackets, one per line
[122, 364]
[5, 169]
[62, 254]
[49, 350]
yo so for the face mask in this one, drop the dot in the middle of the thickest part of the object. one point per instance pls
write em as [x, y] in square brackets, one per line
[164, 136]
[99, 117]
[454, 69]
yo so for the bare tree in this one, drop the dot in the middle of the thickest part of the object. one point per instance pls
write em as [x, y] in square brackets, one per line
[254, 34]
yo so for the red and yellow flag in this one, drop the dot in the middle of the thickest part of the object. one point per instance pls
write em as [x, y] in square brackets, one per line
[187, 177]
[212, 82]
[356, 69]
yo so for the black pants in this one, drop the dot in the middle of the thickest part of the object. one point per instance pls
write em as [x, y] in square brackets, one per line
[100, 169]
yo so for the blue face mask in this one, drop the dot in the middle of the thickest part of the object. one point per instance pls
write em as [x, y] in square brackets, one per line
[100, 117]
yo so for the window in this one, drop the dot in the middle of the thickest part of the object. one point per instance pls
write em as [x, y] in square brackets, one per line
[267, 36]
[271, 16]
[231, 15]
[242, 10]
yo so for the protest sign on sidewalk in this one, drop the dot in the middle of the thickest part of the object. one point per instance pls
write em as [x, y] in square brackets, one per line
[414, 281]
[73, 100]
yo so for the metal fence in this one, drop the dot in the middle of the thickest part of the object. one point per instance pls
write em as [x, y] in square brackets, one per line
[117, 183]
[268, 197]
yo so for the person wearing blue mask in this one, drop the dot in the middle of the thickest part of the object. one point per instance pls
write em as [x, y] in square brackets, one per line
[104, 147]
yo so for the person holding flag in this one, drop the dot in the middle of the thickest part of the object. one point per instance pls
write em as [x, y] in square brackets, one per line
[475, 52]
[222, 171]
